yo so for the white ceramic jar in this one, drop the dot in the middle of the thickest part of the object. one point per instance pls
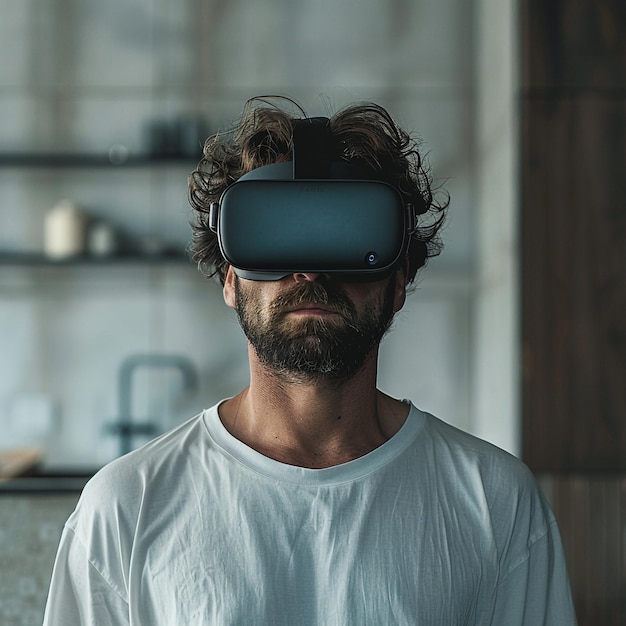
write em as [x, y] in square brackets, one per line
[64, 231]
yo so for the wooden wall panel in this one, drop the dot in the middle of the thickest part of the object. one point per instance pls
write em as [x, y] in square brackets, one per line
[574, 283]
[591, 511]
[573, 234]
[573, 224]
[573, 45]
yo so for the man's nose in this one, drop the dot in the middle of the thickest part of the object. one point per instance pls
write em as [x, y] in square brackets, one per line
[301, 277]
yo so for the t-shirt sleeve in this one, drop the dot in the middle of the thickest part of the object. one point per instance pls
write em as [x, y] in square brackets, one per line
[79, 593]
[536, 592]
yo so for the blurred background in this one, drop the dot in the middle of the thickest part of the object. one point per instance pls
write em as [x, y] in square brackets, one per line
[109, 335]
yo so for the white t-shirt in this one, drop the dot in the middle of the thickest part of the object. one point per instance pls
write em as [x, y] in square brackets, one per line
[434, 527]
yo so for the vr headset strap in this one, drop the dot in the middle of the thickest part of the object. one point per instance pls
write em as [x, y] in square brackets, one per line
[311, 148]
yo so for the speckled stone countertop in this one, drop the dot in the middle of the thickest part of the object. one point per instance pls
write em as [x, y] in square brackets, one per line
[30, 529]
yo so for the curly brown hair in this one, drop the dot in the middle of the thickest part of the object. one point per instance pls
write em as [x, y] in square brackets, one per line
[363, 133]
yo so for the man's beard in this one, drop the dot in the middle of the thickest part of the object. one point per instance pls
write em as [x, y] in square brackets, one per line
[332, 348]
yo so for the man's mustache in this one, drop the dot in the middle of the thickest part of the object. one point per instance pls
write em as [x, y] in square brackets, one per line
[314, 292]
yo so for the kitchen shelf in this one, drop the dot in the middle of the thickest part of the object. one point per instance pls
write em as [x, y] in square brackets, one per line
[116, 159]
[40, 260]
[111, 160]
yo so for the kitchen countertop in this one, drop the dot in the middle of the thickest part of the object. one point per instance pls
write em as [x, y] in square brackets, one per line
[44, 483]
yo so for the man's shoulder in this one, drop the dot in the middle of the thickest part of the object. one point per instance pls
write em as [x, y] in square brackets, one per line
[123, 482]
[479, 468]
[462, 453]
[465, 445]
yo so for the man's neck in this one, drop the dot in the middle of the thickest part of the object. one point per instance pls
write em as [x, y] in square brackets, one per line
[312, 423]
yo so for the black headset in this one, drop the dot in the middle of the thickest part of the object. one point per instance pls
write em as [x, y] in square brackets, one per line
[312, 214]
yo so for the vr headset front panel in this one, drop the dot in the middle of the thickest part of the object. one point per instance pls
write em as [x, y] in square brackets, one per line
[284, 226]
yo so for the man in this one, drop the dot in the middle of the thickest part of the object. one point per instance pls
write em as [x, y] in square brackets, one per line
[311, 497]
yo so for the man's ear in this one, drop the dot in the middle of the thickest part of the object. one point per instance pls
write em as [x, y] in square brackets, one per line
[229, 287]
[400, 290]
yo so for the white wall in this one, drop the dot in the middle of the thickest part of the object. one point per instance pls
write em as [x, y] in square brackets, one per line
[496, 353]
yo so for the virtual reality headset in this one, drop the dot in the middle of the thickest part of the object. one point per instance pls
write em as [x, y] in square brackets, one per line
[312, 215]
